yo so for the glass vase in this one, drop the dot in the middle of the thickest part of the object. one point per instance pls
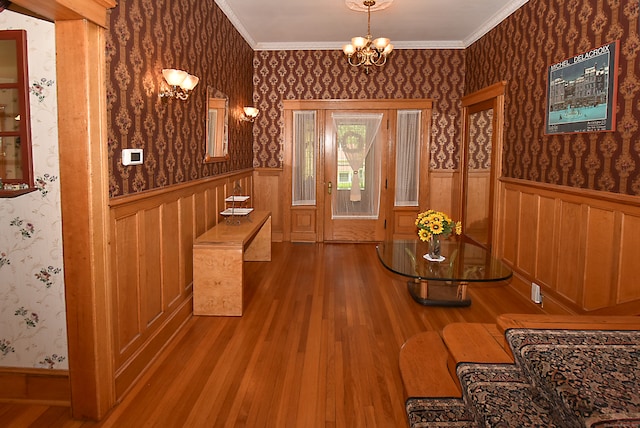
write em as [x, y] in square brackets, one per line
[434, 247]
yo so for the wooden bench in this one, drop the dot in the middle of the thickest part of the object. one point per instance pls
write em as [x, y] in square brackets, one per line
[218, 258]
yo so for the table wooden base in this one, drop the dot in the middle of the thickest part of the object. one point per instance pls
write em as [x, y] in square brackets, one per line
[218, 263]
[439, 293]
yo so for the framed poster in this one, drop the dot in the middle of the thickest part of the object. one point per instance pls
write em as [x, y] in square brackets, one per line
[581, 92]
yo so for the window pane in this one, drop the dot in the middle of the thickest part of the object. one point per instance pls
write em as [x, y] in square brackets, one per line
[408, 158]
[304, 158]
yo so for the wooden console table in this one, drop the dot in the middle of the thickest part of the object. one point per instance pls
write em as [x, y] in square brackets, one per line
[218, 258]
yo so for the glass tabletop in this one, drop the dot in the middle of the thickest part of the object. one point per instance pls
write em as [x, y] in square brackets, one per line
[464, 261]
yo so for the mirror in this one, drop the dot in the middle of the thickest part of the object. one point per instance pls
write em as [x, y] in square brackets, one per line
[477, 206]
[16, 170]
[481, 164]
[217, 141]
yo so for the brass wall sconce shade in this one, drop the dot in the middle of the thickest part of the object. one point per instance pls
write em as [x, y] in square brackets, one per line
[363, 51]
[180, 83]
[250, 114]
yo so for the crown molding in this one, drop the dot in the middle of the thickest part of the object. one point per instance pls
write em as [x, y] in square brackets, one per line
[328, 46]
[494, 21]
[226, 9]
[423, 44]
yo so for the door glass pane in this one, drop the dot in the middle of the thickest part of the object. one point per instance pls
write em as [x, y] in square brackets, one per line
[8, 59]
[408, 158]
[304, 158]
[357, 195]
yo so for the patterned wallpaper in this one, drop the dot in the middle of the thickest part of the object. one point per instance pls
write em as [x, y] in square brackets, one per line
[520, 49]
[480, 134]
[33, 331]
[285, 75]
[146, 36]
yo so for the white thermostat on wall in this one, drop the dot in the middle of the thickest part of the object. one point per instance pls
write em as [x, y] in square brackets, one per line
[132, 157]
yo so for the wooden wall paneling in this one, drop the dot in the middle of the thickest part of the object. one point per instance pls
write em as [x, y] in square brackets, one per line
[548, 235]
[151, 295]
[187, 234]
[35, 386]
[528, 233]
[169, 231]
[599, 259]
[152, 266]
[627, 280]
[508, 245]
[479, 186]
[126, 285]
[200, 212]
[269, 195]
[588, 244]
[442, 185]
[570, 250]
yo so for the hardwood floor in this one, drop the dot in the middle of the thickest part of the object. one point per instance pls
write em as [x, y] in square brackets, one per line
[317, 346]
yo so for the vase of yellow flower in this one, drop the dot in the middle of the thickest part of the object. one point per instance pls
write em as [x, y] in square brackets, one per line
[434, 247]
[432, 227]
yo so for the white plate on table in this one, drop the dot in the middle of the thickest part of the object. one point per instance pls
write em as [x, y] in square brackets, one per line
[236, 211]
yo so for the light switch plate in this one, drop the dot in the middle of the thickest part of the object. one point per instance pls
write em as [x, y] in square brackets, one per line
[132, 157]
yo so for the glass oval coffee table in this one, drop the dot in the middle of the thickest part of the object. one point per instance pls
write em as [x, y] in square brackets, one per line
[441, 283]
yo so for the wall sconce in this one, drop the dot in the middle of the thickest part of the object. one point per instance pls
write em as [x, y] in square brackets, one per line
[180, 83]
[250, 114]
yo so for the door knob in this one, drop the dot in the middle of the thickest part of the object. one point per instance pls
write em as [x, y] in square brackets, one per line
[330, 186]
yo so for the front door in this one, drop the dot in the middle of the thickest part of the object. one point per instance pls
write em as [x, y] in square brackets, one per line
[355, 145]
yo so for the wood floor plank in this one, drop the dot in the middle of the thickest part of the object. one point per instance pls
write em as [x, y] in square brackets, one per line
[317, 346]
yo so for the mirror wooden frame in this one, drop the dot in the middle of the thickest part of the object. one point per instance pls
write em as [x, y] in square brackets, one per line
[217, 119]
[491, 97]
[25, 183]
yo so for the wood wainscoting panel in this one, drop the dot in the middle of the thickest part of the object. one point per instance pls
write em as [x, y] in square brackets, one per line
[150, 294]
[585, 245]
[570, 258]
[443, 185]
[186, 235]
[269, 196]
[152, 265]
[172, 288]
[601, 251]
[528, 232]
[508, 246]
[126, 300]
[627, 281]
[547, 250]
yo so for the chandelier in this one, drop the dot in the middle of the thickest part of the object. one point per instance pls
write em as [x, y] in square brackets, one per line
[362, 51]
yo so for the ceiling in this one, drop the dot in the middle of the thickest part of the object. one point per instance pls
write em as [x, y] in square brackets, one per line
[329, 24]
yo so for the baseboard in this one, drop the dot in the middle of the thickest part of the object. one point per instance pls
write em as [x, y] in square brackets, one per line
[549, 304]
[134, 368]
[35, 386]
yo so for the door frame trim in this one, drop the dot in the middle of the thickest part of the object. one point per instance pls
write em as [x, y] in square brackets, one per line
[494, 94]
[313, 215]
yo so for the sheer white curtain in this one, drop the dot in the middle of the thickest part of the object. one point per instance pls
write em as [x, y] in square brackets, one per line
[408, 158]
[356, 133]
[304, 158]
[356, 136]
